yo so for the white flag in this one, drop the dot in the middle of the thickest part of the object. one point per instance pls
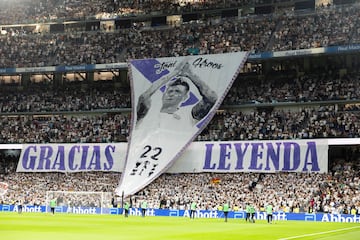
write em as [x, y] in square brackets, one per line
[173, 99]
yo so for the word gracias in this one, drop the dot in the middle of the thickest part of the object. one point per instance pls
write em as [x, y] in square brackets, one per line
[84, 157]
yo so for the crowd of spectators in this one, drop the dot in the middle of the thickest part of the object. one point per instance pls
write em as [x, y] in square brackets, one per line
[41, 114]
[98, 128]
[326, 28]
[312, 87]
[42, 98]
[208, 37]
[290, 192]
[37, 11]
[46, 115]
[102, 95]
[308, 123]
[76, 48]
[254, 33]
[29, 187]
[335, 192]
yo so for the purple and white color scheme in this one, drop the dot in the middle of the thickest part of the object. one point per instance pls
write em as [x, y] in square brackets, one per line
[173, 99]
[308, 155]
[71, 157]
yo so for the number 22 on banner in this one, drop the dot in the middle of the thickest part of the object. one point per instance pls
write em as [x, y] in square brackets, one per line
[147, 161]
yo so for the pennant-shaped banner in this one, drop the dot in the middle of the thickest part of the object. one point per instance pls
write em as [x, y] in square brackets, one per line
[173, 99]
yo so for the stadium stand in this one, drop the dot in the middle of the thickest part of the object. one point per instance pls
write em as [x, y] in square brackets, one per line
[323, 93]
[258, 33]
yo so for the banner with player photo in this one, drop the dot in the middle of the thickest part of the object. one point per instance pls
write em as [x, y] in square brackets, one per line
[173, 99]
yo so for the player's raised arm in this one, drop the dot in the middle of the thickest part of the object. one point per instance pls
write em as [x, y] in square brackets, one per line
[209, 97]
[144, 101]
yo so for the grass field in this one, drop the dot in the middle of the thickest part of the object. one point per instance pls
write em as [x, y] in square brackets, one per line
[41, 226]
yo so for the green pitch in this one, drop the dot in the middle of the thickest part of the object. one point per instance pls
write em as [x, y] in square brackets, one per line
[41, 226]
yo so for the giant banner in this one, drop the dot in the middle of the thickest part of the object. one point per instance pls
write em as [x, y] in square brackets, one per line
[310, 155]
[173, 100]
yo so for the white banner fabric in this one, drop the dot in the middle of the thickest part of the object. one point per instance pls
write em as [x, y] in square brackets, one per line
[309, 155]
[173, 99]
